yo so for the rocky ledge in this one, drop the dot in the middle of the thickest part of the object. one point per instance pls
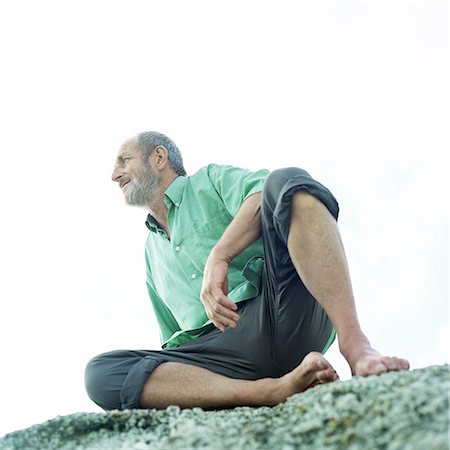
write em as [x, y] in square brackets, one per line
[404, 411]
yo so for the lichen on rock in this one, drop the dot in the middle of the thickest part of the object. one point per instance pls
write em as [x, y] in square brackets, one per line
[396, 411]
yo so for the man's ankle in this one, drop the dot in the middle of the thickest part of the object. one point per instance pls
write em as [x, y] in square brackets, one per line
[271, 391]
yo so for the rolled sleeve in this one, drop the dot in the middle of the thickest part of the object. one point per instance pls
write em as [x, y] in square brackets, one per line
[234, 185]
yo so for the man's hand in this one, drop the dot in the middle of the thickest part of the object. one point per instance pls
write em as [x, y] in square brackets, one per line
[219, 308]
[243, 230]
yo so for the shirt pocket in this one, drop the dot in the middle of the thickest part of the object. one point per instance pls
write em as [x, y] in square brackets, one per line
[202, 238]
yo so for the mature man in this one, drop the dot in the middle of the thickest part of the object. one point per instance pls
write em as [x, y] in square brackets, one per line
[248, 278]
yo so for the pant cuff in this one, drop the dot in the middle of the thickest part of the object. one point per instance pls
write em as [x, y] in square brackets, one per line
[134, 382]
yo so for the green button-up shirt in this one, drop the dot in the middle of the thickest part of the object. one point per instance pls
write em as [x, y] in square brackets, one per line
[200, 208]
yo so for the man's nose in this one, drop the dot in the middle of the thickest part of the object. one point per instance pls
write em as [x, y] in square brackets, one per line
[117, 173]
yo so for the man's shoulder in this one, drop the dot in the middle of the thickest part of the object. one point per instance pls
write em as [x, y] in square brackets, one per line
[210, 172]
[214, 169]
[228, 177]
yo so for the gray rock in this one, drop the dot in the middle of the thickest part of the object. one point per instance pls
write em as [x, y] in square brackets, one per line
[396, 411]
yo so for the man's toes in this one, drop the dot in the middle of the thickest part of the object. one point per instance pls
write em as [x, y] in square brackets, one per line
[389, 362]
[323, 370]
[405, 364]
[371, 366]
[378, 366]
[375, 365]
[321, 362]
[326, 376]
[393, 363]
[314, 361]
[402, 364]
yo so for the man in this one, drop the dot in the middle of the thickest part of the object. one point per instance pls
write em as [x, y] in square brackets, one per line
[249, 282]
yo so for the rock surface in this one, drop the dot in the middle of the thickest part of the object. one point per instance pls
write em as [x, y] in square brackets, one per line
[404, 411]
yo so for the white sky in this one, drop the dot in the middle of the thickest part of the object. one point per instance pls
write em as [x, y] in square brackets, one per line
[355, 93]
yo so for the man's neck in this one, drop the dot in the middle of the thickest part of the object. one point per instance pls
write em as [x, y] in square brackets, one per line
[160, 215]
[158, 210]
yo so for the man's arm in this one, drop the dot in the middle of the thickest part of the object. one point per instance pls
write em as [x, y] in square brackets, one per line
[243, 230]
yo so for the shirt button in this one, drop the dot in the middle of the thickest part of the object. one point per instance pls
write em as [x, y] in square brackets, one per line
[177, 249]
[177, 205]
[194, 276]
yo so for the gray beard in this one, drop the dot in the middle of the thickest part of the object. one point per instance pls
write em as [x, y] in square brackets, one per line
[143, 191]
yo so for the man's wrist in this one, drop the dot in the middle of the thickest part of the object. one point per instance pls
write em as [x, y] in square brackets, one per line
[220, 253]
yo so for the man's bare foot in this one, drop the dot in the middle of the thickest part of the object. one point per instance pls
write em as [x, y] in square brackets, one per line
[314, 369]
[364, 360]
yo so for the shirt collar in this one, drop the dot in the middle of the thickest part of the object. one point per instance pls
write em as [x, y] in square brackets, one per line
[175, 191]
[151, 223]
[174, 195]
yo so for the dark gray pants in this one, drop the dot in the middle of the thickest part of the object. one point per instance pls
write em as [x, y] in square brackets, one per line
[276, 329]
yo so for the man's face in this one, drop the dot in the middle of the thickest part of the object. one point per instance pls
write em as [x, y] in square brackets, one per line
[136, 178]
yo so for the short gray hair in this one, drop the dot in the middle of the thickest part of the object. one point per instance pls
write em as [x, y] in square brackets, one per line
[149, 140]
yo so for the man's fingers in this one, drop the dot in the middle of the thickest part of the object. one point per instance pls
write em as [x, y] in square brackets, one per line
[219, 325]
[221, 322]
[224, 319]
[225, 312]
[219, 313]
[221, 298]
[221, 305]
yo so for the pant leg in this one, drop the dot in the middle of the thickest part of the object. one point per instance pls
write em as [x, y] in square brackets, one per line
[279, 188]
[300, 325]
[114, 380]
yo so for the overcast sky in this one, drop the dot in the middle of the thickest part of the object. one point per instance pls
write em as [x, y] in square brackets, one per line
[356, 93]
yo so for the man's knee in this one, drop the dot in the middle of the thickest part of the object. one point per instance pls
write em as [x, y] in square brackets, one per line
[97, 380]
[276, 181]
[282, 184]
[303, 201]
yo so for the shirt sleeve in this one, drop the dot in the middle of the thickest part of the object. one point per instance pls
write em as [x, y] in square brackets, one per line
[234, 185]
[166, 322]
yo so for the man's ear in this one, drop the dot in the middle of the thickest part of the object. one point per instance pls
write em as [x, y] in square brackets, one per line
[159, 157]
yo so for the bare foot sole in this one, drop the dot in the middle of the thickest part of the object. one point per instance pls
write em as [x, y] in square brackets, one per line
[313, 370]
